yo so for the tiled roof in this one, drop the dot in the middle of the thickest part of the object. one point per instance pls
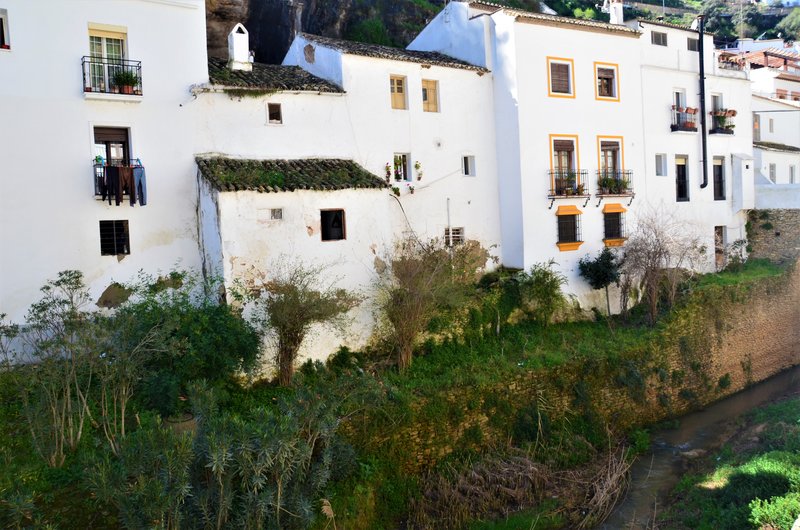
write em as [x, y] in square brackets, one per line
[776, 147]
[394, 54]
[268, 77]
[772, 57]
[265, 176]
[553, 19]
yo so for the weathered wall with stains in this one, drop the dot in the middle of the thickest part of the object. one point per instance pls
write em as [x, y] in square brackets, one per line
[775, 234]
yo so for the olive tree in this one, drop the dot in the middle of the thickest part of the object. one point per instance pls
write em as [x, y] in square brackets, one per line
[601, 271]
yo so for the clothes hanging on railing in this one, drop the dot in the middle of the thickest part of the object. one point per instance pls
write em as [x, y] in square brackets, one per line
[116, 181]
[126, 183]
[112, 186]
[140, 184]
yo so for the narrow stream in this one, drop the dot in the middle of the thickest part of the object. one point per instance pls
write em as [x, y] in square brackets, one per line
[654, 474]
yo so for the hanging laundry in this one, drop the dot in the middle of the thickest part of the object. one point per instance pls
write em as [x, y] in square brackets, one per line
[126, 184]
[140, 184]
[112, 185]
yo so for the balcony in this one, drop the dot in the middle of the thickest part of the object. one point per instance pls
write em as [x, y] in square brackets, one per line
[567, 183]
[722, 121]
[684, 119]
[614, 183]
[118, 185]
[111, 78]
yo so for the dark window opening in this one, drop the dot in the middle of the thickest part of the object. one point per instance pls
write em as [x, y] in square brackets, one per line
[4, 44]
[568, 229]
[114, 238]
[111, 148]
[613, 225]
[693, 45]
[719, 181]
[681, 181]
[606, 87]
[274, 110]
[401, 168]
[333, 227]
[453, 236]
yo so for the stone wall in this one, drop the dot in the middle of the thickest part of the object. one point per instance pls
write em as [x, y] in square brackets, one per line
[722, 340]
[775, 234]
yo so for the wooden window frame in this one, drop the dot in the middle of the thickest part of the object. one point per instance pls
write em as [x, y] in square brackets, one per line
[613, 67]
[344, 224]
[399, 98]
[571, 77]
[430, 104]
[272, 107]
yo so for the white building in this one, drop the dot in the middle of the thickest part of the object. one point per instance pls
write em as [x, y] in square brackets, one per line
[67, 113]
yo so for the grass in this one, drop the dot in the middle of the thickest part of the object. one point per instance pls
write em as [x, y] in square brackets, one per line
[543, 517]
[753, 269]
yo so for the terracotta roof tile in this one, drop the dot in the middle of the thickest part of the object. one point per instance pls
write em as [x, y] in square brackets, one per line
[268, 77]
[265, 176]
[394, 54]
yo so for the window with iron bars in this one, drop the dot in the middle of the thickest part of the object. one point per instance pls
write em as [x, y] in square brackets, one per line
[569, 229]
[453, 236]
[114, 238]
[614, 224]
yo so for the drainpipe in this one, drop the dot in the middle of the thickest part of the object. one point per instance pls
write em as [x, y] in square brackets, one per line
[703, 131]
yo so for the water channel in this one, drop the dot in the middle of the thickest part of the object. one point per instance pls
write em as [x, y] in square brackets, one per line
[657, 472]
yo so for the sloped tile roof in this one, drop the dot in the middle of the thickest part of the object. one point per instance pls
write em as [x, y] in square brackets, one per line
[530, 16]
[265, 176]
[773, 146]
[394, 54]
[268, 77]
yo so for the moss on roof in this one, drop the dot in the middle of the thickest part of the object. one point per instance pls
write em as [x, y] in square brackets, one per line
[777, 147]
[268, 77]
[227, 174]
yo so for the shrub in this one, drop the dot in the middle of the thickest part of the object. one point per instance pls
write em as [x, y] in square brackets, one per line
[601, 271]
[540, 292]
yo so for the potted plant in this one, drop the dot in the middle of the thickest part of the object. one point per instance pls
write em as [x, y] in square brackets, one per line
[396, 190]
[411, 190]
[418, 169]
[125, 80]
[388, 169]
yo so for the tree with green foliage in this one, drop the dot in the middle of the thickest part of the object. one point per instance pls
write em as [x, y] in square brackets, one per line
[540, 292]
[421, 280]
[297, 298]
[601, 271]
[790, 25]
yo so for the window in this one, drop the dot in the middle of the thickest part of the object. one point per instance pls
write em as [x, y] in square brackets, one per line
[716, 102]
[661, 165]
[107, 58]
[795, 96]
[613, 224]
[332, 223]
[111, 148]
[681, 179]
[276, 214]
[468, 166]
[453, 236]
[756, 127]
[658, 38]
[114, 240]
[719, 178]
[792, 177]
[781, 93]
[772, 173]
[397, 85]
[569, 229]
[430, 95]
[693, 45]
[274, 114]
[609, 158]
[559, 77]
[606, 75]
[564, 177]
[771, 125]
[401, 168]
[5, 40]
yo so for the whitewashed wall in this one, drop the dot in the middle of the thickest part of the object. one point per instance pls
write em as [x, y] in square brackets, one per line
[48, 213]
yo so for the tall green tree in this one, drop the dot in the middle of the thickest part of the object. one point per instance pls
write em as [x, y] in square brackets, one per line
[601, 271]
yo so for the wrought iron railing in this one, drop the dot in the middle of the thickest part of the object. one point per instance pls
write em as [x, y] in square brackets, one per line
[99, 166]
[614, 226]
[567, 183]
[112, 76]
[684, 118]
[614, 182]
[722, 121]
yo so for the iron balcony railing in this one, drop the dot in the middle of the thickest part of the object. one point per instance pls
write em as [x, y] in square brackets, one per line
[722, 121]
[612, 182]
[567, 183]
[684, 119]
[112, 76]
[99, 166]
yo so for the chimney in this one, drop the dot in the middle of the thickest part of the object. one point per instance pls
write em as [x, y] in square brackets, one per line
[239, 49]
[298, 17]
[615, 12]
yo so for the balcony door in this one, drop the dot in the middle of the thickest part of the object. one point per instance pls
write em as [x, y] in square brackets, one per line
[609, 158]
[107, 51]
[563, 151]
[681, 179]
[113, 146]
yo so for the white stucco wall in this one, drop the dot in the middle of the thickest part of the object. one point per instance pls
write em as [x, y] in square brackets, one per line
[48, 212]
[783, 161]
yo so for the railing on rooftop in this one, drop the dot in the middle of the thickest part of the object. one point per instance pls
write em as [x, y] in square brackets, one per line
[614, 182]
[565, 183]
[111, 76]
[684, 119]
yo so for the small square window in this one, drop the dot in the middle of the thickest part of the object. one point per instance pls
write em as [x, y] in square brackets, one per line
[5, 40]
[606, 76]
[397, 86]
[430, 95]
[693, 45]
[658, 38]
[453, 236]
[333, 225]
[773, 173]
[468, 166]
[613, 225]
[560, 77]
[276, 214]
[661, 165]
[114, 239]
[274, 113]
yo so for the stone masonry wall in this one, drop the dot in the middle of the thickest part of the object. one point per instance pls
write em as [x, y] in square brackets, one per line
[775, 234]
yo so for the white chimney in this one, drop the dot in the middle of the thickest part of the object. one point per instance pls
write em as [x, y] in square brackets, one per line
[298, 17]
[239, 49]
[615, 12]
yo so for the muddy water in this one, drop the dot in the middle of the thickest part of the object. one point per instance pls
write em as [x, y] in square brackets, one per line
[657, 472]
